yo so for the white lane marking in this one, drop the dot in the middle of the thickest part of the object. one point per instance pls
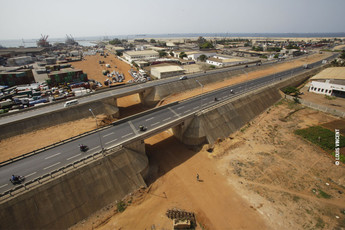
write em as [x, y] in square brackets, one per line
[133, 128]
[196, 107]
[149, 118]
[127, 135]
[73, 156]
[176, 114]
[110, 141]
[52, 156]
[108, 134]
[3, 185]
[187, 111]
[180, 107]
[155, 124]
[95, 148]
[31, 174]
[51, 166]
[167, 119]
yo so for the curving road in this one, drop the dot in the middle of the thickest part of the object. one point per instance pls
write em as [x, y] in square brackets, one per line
[62, 155]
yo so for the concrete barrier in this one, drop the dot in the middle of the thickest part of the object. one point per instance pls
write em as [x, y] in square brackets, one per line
[72, 197]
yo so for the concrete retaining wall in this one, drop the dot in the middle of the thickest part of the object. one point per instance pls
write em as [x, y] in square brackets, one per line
[54, 118]
[227, 117]
[160, 92]
[72, 197]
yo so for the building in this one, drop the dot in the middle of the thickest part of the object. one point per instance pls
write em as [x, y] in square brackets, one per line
[330, 81]
[140, 55]
[12, 76]
[166, 71]
[67, 75]
[18, 61]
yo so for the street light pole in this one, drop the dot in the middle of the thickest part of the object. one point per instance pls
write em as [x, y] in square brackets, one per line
[245, 86]
[99, 135]
[202, 91]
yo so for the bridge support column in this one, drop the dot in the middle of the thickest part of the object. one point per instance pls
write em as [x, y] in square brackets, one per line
[110, 107]
[190, 132]
[138, 156]
[148, 98]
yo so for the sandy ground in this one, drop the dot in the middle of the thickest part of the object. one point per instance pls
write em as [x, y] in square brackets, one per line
[271, 179]
[173, 184]
[90, 65]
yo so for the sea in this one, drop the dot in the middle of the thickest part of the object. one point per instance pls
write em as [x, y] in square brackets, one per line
[93, 40]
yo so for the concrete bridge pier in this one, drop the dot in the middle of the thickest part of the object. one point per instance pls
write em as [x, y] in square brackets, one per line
[190, 132]
[148, 97]
[138, 157]
[109, 108]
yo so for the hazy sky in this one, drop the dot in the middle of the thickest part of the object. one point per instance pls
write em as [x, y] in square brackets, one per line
[31, 18]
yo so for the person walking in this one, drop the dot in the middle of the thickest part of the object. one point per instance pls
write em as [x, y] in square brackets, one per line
[197, 177]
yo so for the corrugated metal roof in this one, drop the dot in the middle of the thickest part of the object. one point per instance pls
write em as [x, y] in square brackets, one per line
[331, 73]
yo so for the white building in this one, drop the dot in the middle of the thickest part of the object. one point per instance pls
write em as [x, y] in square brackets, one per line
[221, 62]
[330, 81]
[140, 55]
[166, 71]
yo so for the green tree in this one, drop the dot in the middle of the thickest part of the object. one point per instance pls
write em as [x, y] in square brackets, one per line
[162, 53]
[119, 53]
[115, 41]
[153, 41]
[276, 56]
[203, 57]
[206, 45]
[182, 55]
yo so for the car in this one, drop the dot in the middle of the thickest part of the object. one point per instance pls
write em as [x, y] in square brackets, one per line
[183, 78]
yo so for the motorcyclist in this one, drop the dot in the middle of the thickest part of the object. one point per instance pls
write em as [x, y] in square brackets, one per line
[14, 178]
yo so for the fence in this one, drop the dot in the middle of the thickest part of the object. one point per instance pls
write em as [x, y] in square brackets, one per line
[318, 107]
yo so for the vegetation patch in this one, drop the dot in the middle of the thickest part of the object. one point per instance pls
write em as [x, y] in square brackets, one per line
[121, 206]
[324, 195]
[321, 136]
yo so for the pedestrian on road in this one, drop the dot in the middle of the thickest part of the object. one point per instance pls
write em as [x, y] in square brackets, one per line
[197, 177]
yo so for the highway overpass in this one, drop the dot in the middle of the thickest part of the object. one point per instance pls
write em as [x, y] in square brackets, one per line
[127, 130]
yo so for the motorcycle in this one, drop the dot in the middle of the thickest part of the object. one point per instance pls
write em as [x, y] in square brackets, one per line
[83, 148]
[142, 128]
[17, 180]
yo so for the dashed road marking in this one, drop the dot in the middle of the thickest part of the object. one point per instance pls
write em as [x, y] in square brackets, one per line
[127, 135]
[95, 148]
[3, 185]
[167, 119]
[149, 118]
[108, 134]
[73, 156]
[180, 107]
[51, 166]
[52, 156]
[110, 141]
[155, 124]
[31, 174]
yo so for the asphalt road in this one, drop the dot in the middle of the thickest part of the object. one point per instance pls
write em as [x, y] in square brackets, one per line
[62, 155]
[116, 92]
